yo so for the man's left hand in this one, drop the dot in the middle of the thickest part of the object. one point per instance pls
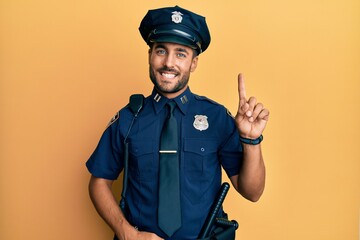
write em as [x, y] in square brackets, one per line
[251, 117]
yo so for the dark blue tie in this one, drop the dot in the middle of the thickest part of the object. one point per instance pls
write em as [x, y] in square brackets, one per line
[169, 212]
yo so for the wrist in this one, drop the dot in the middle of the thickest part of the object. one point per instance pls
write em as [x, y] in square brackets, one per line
[250, 141]
[125, 230]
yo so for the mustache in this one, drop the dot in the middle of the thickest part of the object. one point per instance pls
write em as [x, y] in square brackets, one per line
[166, 69]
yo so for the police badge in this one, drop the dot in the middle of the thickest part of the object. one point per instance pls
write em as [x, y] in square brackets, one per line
[200, 122]
[176, 17]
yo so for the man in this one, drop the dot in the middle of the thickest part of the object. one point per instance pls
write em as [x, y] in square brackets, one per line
[206, 138]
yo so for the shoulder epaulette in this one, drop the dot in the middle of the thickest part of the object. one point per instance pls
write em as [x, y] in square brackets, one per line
[113, 119]
[203, 98]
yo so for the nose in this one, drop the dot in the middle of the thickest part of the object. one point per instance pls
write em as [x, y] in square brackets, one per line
[169, 61]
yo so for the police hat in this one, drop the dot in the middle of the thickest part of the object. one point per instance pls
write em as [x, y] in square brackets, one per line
[176, 25]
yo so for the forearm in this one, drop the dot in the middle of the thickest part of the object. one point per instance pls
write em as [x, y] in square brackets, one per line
[250, 182]
[107, 207]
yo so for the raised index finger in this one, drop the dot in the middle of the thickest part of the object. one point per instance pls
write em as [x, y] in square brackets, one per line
[241, 85]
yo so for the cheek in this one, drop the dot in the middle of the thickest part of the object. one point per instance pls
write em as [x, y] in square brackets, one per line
[154, 60]
[186, 66]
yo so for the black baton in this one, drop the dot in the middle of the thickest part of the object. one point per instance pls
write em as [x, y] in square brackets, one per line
[210, 219]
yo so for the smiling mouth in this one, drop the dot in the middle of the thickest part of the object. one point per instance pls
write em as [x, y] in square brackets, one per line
[169, 75]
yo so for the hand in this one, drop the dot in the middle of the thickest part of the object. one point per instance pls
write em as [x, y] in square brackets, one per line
[251, 117]
[148, 236]
[141, 236]
[130, 233]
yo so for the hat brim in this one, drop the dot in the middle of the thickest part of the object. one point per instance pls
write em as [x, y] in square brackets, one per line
[175, 39]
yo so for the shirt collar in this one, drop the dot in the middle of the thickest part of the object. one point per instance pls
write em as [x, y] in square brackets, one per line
[182, 101]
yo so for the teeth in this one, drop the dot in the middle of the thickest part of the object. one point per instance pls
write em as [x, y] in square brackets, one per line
[168, 75]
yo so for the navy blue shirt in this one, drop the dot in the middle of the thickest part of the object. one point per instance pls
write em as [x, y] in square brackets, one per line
[209, 140]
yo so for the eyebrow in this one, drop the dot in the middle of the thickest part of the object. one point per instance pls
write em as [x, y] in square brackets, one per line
[182, 50]
[179, 49]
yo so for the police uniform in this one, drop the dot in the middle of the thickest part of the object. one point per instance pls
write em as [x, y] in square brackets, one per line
[208, 140]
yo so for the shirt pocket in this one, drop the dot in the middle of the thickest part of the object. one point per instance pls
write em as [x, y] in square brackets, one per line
[201, 165]
[142, 160]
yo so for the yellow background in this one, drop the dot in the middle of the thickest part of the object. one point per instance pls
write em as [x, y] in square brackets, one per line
[67, 66]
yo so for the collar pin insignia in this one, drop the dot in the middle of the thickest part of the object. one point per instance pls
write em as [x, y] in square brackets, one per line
[184, 99]
[157, 97]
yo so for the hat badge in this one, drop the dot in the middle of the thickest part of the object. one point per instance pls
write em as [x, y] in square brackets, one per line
[176, 17]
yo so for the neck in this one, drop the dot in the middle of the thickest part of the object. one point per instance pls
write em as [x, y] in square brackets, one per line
[173, 95]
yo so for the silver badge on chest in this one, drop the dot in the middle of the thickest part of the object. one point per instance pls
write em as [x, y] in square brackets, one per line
[201, 122]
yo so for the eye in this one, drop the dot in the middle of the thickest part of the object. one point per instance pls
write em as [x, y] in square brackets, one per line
[181, 55]
[160, 52]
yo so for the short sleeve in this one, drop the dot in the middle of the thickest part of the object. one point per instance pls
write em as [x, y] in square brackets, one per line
[106, 161]
[231, 152]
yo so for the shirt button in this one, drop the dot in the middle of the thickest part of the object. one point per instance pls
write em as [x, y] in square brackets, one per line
[202, 149]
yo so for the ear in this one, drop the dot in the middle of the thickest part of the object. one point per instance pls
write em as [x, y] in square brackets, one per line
[149, 55]
[194, 63]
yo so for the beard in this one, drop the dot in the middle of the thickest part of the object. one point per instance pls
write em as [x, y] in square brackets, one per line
[180, 84]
